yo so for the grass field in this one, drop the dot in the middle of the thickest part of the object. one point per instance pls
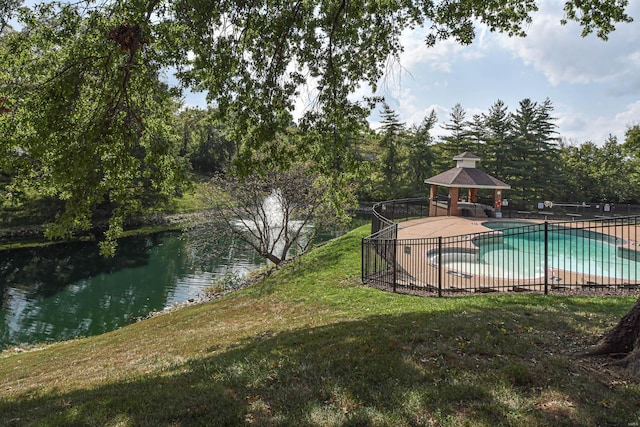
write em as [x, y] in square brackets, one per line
[310, 346]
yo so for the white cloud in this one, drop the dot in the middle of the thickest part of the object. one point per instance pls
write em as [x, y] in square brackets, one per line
[564, 57]
[443, 56]
[437, 58]
[581, 127]
[594, 85]
[628, 81]
[627, 118]
[413, 112]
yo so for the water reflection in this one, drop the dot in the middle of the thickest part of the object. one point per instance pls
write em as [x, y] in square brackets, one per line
[65, 291]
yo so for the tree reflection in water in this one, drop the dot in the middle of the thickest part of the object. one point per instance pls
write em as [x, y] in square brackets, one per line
[69, 290]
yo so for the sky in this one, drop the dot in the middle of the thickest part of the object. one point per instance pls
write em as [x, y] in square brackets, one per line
[594, 85]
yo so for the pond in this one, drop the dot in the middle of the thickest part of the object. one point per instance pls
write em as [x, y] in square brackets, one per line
[68, 290]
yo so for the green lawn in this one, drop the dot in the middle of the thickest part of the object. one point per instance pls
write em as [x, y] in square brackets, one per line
[311, 346]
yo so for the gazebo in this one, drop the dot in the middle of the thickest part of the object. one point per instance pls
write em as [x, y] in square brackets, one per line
[464, 175]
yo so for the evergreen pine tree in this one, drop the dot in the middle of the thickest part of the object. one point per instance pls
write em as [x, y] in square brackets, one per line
[498, 142]
[458, 140]
[392, 133]
[534, 151]
[420, 157]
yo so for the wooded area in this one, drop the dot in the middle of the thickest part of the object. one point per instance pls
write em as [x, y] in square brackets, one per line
[88, 118]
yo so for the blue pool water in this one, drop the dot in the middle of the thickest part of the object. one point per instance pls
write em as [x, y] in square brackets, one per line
[520, 253]
[505, 224]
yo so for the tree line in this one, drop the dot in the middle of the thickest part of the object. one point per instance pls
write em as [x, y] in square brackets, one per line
[522, 148]
[87, 116]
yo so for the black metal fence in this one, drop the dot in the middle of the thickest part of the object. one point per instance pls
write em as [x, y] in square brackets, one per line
[384, 214]
[512, 255]
[567, 210]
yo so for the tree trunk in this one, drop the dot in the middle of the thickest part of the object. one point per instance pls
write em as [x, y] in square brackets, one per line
[271, 257]
[623, 341]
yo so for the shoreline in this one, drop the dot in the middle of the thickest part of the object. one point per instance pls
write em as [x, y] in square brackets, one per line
[251, 279]
[33, 236]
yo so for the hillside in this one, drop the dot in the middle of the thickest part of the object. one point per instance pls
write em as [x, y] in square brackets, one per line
[309, 345]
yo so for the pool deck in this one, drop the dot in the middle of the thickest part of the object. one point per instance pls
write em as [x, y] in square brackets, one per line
[447, 226]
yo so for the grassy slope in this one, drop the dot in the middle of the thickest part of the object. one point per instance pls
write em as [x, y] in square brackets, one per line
[310, 346]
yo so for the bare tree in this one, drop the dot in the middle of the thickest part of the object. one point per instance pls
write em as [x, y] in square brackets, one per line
[274, 213]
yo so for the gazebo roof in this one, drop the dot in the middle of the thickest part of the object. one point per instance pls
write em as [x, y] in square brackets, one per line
[465, 175]
[466, 155]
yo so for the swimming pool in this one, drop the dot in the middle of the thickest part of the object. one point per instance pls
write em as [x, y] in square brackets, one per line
[517, 251]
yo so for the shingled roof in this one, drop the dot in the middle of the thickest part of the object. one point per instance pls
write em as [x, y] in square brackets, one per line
[466, 177]
[466, 155]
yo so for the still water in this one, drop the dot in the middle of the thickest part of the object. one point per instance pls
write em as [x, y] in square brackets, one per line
[69, 290]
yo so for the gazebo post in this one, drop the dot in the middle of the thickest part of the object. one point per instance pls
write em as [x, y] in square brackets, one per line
[473, 195]
[433, 209]
[453, 195]
[497, 198]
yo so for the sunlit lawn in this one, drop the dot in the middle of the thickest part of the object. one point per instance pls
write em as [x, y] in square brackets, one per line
[309, 346]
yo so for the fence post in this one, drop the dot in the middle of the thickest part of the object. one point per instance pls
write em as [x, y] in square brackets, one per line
[546, 258]
[362, 263]
[439, 266]
[395, 257]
